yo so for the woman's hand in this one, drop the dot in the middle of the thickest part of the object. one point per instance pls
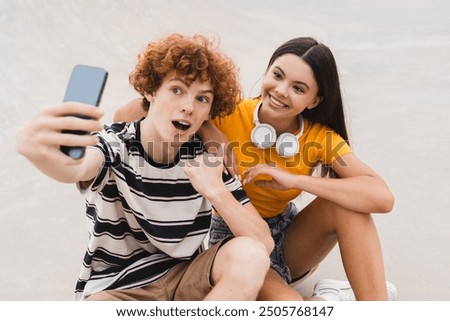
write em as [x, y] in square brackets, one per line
[275, 177]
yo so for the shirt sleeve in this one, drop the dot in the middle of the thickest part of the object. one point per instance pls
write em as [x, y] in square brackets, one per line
[109, 147]
[235, 188]
[333, 146]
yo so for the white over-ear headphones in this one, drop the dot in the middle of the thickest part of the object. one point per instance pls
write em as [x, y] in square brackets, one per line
[264, 136]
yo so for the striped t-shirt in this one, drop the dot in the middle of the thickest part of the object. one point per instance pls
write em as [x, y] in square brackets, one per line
[143, 217]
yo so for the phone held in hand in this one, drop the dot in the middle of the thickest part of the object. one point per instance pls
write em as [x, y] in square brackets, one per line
[85, 86]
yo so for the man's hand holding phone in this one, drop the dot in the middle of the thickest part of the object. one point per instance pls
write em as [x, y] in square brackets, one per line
[85, 86]
[58, 128]
[40, 138]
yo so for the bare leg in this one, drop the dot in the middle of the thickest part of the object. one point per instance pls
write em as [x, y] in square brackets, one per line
[315, 231]
[239, 269]
[275, 289]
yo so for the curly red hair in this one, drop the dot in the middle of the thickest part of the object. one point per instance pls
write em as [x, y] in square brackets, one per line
[190, 58]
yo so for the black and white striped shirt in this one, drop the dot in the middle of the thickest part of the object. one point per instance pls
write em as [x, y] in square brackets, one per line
[143, 217]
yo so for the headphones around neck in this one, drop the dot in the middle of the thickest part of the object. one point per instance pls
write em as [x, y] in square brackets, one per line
[264, 136]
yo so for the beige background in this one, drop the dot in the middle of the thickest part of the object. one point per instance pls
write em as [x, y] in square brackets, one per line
[394, 62]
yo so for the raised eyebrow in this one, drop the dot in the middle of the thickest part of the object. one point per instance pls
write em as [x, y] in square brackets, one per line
[295, 81]
[178, 80]
[206, 91]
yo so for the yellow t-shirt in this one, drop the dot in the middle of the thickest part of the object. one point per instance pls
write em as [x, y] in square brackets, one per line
[318, 143]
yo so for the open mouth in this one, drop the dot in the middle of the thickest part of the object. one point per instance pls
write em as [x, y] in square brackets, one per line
[181, 125]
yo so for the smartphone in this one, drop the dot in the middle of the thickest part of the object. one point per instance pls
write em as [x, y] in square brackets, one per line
[85, 86]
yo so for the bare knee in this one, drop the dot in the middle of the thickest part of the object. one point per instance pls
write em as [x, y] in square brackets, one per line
[245, 253]
[242, 261]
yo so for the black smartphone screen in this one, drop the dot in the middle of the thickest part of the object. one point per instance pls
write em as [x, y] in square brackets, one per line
[85, 86]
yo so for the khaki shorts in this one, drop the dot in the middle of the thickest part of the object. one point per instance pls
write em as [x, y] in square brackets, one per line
[187, 281]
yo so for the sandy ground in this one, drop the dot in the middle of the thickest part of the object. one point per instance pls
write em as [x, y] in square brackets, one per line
[393, 58]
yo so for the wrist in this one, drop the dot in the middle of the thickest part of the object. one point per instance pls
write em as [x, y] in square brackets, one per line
[297, 181]
[218, 194]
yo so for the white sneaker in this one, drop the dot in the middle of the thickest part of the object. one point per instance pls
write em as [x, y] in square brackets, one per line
[336, 290]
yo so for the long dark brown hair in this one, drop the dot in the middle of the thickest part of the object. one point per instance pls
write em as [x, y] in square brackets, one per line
[330, 111]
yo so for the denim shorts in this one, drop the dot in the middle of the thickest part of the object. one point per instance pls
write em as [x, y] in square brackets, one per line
[278, 226]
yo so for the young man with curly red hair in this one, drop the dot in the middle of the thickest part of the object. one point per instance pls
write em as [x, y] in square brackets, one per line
[150, 187]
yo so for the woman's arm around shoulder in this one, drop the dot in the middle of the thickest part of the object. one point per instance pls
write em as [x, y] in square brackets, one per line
[130, 112]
